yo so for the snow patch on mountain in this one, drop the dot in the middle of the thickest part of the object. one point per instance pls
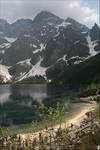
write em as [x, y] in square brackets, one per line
[4, 74]
[75, 57]
[5, 45]
[26, 35]
[78, 61]
[25, 62]
[10, 39]
[76, 42]
[57, 34]
[64, 24]
[62, 58]
[91, 45]
[42, 47]
[36, 69]
[50, 23]
[33, 45]
[84, 32]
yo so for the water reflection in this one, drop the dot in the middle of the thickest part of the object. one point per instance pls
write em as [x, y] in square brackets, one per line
[4, 93]
[19, 103]
[37, 92]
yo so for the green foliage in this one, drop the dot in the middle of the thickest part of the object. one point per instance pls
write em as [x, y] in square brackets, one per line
[55, 114]
[89, 142]
[53, 139]
[90, 90]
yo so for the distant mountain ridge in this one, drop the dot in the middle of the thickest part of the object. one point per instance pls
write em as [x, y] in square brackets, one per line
[30, 47]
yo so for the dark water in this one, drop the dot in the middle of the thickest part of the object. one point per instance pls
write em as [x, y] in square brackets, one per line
[19, 103]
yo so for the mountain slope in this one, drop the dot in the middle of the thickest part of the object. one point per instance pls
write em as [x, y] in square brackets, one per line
[30, 47]
[85, 72]
[72, 40]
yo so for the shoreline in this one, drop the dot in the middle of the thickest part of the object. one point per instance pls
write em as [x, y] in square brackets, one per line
[75, 120]
[82, 115]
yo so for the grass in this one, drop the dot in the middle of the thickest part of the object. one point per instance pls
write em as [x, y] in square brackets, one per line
[56, 140]
[89, 142]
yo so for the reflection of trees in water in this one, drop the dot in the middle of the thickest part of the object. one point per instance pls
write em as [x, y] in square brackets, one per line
[20, 109]
[52, 102]
[56, 94]
[36, 91]
[55, 90]
[23, 106]
[59, 90]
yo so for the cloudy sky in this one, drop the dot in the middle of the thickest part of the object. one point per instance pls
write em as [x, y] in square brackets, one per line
[85, 11]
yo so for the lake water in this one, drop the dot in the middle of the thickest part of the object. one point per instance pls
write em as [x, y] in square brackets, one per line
[19, 103]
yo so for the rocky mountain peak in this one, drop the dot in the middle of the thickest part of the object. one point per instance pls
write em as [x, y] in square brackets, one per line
[44, 42]
[95, 32]
[46, 17]
[77, 25]
[22, 22]
[96, 26]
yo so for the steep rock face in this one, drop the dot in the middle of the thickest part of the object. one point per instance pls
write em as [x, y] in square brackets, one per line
[16, 28]
[30, 36]
[21, 26]
[19, 50]
[70, 41]
[95, 32]
[10, 51]
[4, 26]
[95, 36]
[45, 26]
[45, 42]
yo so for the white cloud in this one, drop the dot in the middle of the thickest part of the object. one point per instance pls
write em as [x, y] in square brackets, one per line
[13, 10]
[90, 15]
[82, 13]
[73, 4]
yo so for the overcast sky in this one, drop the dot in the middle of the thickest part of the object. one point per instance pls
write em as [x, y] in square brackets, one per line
[85, 11]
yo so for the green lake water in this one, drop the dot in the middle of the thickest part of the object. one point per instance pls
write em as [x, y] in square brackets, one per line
[19, 103]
